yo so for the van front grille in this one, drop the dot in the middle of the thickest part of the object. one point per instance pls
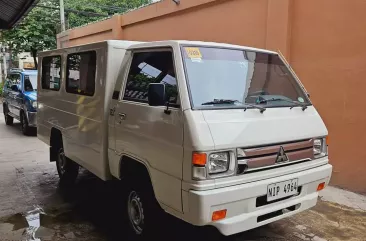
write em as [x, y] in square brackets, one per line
[267, 157]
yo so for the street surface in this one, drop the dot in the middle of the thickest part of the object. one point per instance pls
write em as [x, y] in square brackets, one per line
[33, 207]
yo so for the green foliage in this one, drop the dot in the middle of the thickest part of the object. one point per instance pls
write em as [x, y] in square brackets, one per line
[105, 7]
[1, 88]
[36, 32]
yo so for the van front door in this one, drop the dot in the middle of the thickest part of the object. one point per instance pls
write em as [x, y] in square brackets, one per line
[147, 133]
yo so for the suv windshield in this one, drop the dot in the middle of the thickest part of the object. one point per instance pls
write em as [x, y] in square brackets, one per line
[30, 82]
[234, 78]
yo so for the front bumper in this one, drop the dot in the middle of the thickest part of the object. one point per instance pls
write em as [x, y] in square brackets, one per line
[241, 202]
[32, 118]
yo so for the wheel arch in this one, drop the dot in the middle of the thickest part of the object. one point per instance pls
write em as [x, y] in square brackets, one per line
[128, 162]
[55, 139]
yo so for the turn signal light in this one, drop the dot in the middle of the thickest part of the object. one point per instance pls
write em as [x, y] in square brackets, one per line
[321, 186]
[218, 215]
[199, 159]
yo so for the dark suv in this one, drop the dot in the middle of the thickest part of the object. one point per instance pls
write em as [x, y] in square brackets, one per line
[20, 99]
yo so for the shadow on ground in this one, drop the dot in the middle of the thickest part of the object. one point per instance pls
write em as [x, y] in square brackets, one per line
[91, 210]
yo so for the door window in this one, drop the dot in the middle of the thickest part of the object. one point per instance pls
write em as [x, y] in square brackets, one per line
[81, 68]
[151, 67]
[51, 70]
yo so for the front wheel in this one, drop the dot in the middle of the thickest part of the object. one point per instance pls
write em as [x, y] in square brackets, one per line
[26, 129]
[8, 119]
[143, 211]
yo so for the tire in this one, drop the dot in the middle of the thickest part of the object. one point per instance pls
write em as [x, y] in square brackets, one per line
[8, 119]
[67, 169]
[26, 129]
[142, 211]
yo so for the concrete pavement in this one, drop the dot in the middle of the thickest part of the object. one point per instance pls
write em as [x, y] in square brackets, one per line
[33, 207]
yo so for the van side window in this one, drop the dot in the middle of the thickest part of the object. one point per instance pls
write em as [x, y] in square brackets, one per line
[151, 67]
[51, 70]
[81, 68]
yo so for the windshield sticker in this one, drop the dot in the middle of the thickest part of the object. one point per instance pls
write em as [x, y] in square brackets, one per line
[300, 99]
[193, 53]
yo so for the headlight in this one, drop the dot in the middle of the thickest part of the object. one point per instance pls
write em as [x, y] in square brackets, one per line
[34, 104]
[320, 147]
[218, 162]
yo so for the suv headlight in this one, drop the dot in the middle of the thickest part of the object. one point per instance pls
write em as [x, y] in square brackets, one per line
[320, 147]
[218, 162]
[34, 104]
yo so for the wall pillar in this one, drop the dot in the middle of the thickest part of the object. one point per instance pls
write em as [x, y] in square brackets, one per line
[278, 36]
[117, 27]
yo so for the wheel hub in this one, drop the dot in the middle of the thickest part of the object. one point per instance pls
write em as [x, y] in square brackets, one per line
[135, 212]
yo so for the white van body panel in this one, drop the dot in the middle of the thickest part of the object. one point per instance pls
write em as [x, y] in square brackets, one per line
[231, 128]
[67, 111]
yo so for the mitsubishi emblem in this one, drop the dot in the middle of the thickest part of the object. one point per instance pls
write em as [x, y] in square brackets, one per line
[281, 157]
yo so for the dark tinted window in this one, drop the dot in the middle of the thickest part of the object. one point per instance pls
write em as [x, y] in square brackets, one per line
[151, 67]
[51, 70]
[81, 69]
[30, 82]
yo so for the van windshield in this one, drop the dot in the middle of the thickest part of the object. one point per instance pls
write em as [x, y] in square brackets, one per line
[234, 78]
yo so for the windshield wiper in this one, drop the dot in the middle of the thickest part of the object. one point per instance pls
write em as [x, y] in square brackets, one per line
[220, 102]
[226, 101]
[303, 106]
[260, 108]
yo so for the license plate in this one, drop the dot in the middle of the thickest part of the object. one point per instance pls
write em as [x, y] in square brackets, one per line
[281, 189]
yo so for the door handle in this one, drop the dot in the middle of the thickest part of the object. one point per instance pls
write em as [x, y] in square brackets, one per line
[122, 116]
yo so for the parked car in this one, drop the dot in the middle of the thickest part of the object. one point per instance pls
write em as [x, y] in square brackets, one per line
[213, 134]
[20, 99]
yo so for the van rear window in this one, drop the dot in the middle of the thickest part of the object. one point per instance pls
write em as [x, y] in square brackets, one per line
[51, 70]
[81, 68]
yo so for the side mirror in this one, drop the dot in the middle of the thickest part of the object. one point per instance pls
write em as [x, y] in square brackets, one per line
[156, 94]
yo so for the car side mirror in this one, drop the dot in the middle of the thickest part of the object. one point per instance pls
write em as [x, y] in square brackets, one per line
[156, 94]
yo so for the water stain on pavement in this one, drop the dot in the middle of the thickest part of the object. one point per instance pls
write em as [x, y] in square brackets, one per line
[37, 225]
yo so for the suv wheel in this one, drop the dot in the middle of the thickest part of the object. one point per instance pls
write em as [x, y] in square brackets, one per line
[26, 129]
[67, 169]
[8, 119]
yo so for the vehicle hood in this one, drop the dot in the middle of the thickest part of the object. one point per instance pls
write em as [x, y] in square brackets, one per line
[238, 128]
[31, 95]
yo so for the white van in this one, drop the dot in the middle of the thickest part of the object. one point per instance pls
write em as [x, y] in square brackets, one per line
[214, 134]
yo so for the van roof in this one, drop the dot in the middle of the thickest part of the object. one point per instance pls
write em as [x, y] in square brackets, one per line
[223, 45]
[127, 44]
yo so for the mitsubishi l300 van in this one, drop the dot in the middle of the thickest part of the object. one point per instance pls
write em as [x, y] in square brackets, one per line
[211, 133]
